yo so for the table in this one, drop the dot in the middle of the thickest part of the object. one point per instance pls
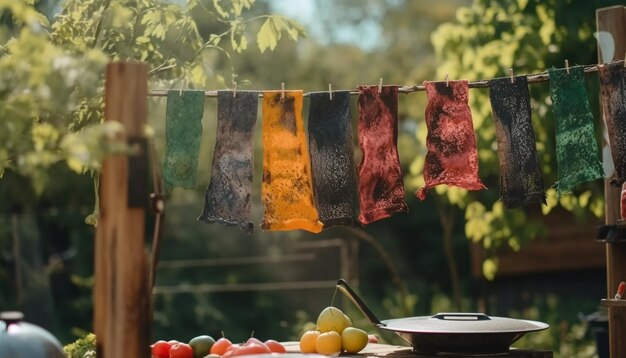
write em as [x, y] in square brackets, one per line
[375, 350]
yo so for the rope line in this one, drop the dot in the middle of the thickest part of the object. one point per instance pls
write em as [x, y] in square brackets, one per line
[532, 78]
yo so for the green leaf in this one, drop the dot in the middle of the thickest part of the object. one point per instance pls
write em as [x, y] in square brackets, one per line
[220, 10]
[243, 43]
[551, 201]
[151, 17]
[490, 267]
[142, 40]
[521, 4]
[240, 5]
[293, 33]
[214, 39]
[267, 37]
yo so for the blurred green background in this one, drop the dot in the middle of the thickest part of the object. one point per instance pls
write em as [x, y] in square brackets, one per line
[213, 278]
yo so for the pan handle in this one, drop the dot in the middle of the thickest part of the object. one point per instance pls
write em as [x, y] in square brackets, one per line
[343, 286]
[461, 316]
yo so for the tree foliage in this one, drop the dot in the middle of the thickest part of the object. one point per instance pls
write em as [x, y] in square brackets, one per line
[51, 85]
[487, 39]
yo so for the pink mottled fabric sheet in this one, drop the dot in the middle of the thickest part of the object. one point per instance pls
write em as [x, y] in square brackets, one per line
[452, 158]
[381, 187]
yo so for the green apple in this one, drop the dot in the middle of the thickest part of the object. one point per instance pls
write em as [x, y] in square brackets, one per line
[353, 339]
[201, 345]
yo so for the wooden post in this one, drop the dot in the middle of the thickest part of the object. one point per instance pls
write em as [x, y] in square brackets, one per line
[613, 20]
[121, 293]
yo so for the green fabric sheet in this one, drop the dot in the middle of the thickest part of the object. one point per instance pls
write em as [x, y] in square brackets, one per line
[183, 131]
[576, 146]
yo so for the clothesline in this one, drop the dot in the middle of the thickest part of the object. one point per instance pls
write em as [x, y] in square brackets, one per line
[306, 169]
[532, 78]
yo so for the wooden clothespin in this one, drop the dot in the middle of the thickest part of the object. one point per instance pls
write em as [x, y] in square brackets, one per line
[380, 85]
[234, 89]
[282, 90]
[620, 290]
[330, 91]
[446, 79]
[511, 75]
[567, 66]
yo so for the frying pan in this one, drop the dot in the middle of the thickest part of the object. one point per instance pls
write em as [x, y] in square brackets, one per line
[451, 333]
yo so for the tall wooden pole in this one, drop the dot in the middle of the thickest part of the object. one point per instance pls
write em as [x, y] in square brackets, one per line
[613, 21]
[121, 294]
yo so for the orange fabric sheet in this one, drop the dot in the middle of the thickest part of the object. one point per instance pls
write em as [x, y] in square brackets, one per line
[287, 190]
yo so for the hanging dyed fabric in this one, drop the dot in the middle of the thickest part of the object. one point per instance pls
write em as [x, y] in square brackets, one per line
[227, 198]
[612, 83]
[381, 187]
[183, 130]
[576, 145]
[332, 157]
[286, 191]
[451, 158]
[521, 182]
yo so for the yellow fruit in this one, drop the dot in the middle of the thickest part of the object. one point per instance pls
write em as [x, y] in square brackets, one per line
[347, 320]
[353, 339]
[307, 341]
[332, 319]
[328, 343]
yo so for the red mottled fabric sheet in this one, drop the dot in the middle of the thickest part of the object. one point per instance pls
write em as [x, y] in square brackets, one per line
[451, 142]
[381, 187]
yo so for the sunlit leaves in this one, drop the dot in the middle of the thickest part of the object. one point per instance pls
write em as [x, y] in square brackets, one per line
[521, 4]
[476, 221]
[240, 5]
[486, 40]
[551, 201]
[44, 136]
[490, 268]
[51, 76]
[267, 36]
[272, 29]
[37, 83]
[85, 150]
[238, 39]
[498, 227]
[220, 10]
[235, 9]
[23, 13]
[548, 28]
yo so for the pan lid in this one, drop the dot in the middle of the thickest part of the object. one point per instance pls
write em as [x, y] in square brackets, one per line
[444, 323]
[462, 323]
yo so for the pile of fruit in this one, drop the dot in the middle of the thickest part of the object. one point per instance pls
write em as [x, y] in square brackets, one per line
[205, 346]
[334, 334]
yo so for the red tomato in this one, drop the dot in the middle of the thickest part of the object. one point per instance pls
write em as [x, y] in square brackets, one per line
[255, 346]
[372, 338]
[275, 347]
[220, 346]
[231, 351]
[181, 350]
[253, 340]
[248, 348]
[161, 349]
